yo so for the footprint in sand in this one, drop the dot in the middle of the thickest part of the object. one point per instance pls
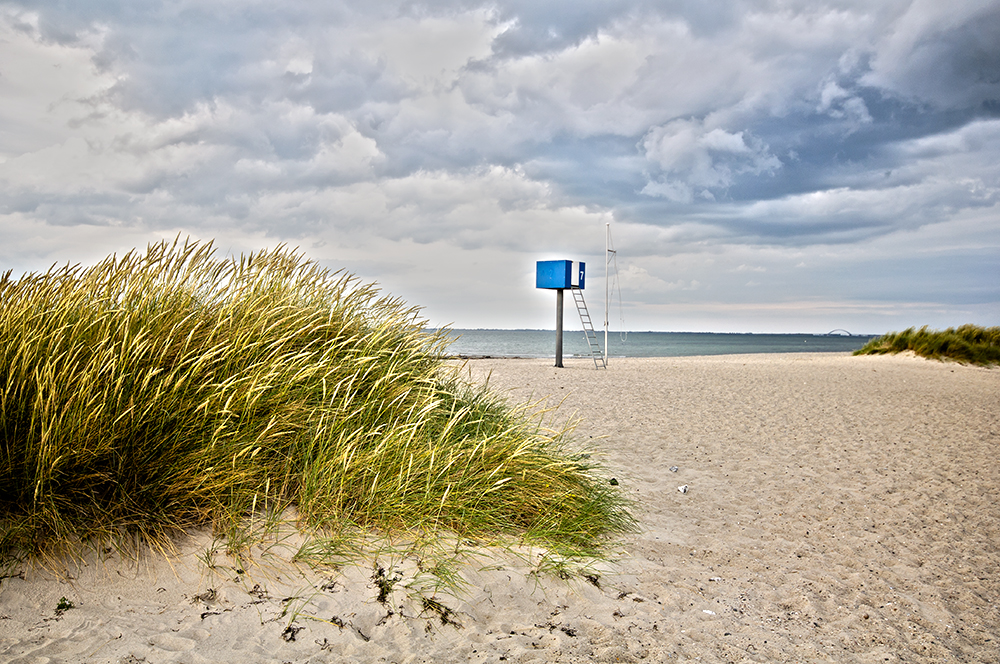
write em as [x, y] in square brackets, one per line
[172, 642]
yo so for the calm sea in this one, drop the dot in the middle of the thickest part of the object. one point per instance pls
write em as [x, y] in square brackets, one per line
[541, 343]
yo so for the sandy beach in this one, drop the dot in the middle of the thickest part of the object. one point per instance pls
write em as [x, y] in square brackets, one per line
[793, 508]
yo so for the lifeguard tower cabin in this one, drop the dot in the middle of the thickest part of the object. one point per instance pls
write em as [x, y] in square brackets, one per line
[558, 276]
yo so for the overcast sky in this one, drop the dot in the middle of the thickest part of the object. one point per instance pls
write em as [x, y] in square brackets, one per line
[783, 166]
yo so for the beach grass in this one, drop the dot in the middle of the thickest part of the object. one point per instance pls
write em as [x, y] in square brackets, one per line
[160, 391]
[969, 344]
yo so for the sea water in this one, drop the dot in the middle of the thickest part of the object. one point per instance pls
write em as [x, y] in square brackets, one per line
[542, 343]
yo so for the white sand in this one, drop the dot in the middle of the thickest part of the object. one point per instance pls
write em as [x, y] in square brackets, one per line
[838, 509]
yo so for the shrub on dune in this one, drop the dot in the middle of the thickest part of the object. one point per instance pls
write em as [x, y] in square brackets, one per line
[159, 391]
[968, 343]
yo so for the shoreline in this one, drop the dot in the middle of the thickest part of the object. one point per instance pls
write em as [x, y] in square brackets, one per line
[838, 508]
[589, 358]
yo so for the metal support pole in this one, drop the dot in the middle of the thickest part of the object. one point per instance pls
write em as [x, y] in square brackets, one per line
[607, 292]
[559, 326]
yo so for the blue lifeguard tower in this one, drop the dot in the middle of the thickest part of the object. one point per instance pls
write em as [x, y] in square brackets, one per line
[559, 276]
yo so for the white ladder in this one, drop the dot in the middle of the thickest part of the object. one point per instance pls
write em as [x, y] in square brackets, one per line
[588, 329]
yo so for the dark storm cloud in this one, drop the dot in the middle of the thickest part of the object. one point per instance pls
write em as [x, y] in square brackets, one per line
[949, 59]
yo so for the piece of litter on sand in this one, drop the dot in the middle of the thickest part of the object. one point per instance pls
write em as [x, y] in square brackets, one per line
[674, 469]
[715, 578]
[683, 488]
[711, 613]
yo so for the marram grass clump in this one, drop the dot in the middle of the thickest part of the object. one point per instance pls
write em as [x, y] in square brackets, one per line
[968, 344]
[156, 392]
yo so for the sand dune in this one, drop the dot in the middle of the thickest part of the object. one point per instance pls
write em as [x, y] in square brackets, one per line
[837, 509]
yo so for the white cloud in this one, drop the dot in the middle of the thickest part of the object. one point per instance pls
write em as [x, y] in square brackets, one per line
[672, 190]
[46, 88]
[976, 140]
[701, 157]
[637, 280]
[840, 104]
[429, 51]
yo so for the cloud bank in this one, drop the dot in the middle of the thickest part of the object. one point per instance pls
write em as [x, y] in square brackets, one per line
[793, 166]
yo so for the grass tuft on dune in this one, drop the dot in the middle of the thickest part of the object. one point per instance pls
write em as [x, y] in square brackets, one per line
[169, 389]
[970, 344]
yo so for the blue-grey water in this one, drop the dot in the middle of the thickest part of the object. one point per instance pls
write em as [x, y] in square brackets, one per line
[541, 343]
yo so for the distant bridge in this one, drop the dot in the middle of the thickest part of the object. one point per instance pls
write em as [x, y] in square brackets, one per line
[839, 332]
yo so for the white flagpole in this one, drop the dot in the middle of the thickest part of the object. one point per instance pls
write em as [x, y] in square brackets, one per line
[607, 247]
